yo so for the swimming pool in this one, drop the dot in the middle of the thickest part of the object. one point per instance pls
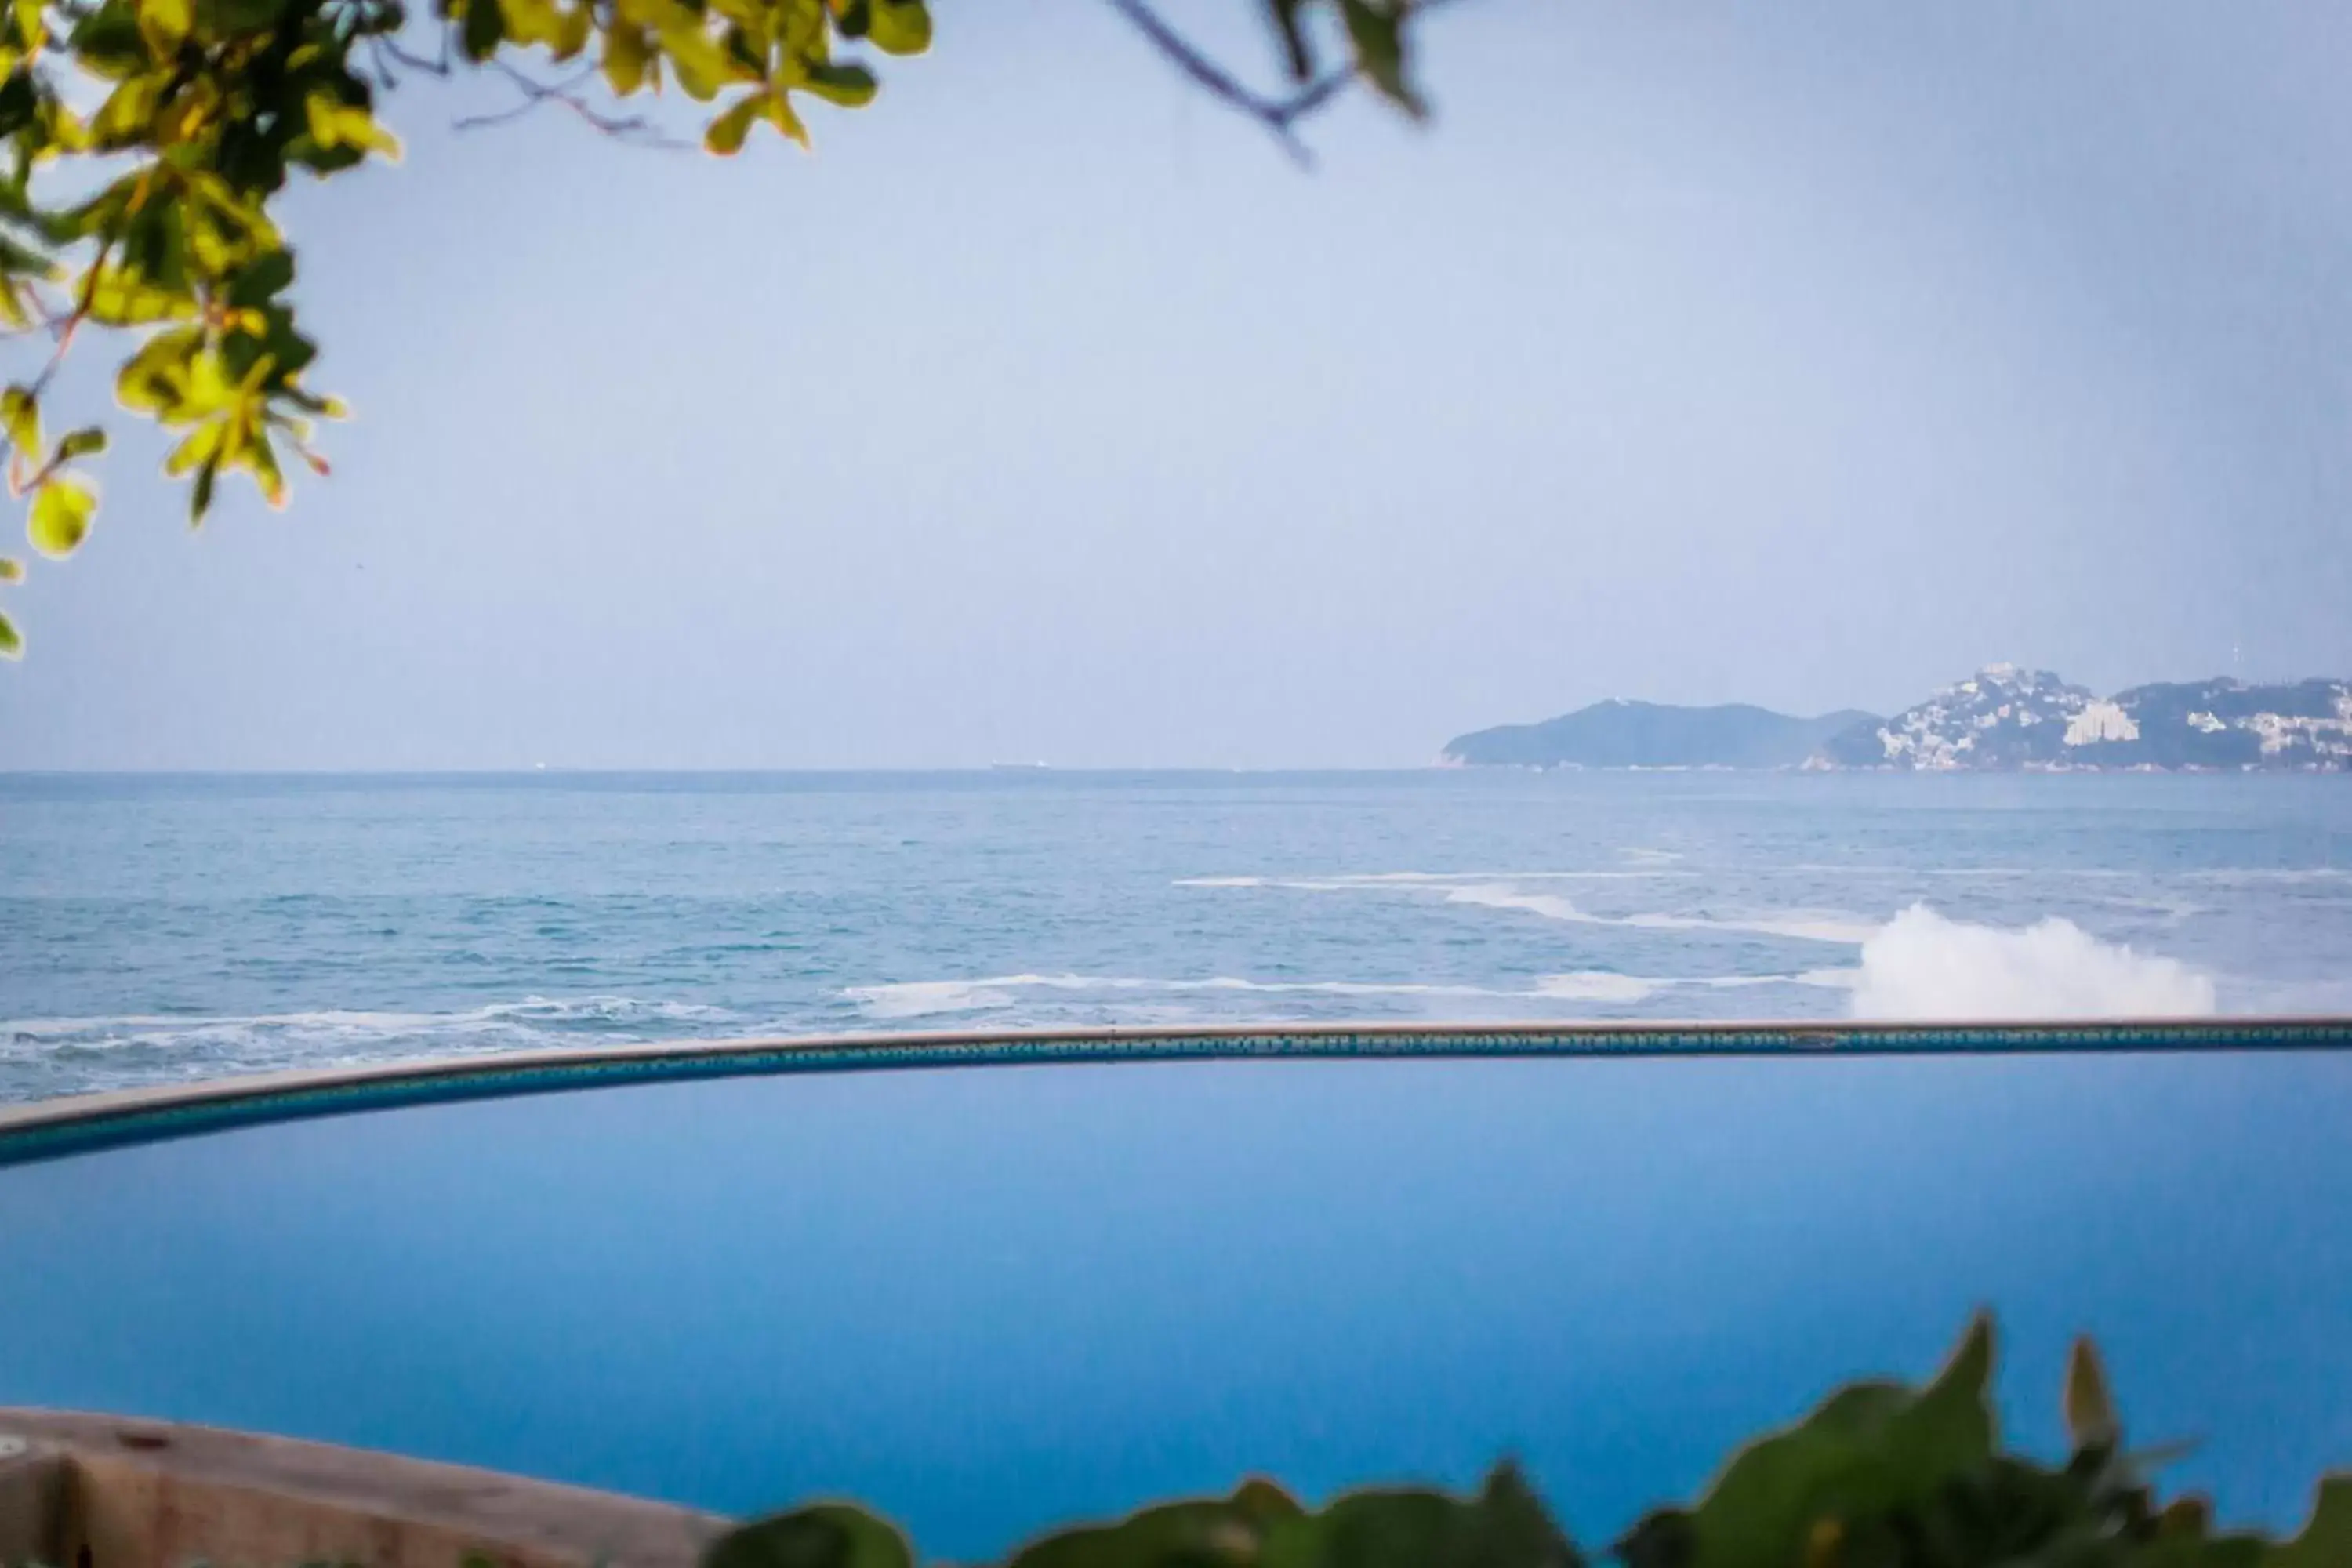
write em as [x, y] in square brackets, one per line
[988, 1300]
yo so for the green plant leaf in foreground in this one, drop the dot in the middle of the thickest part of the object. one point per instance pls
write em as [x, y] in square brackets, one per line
[1879, 1476]
[2326, 1540]
[2090, 1409]
[1201, 1530]
[826, 1535]
[1870, 1447]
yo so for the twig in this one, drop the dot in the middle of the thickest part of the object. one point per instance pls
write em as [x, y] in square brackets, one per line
[439, 68]
[1278, 115]
[535, 93]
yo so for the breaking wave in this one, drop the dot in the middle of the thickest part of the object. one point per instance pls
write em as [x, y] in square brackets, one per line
[1506, 891]
[1923, 966]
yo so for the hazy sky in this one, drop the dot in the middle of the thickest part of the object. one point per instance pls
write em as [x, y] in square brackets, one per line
[1807, 354]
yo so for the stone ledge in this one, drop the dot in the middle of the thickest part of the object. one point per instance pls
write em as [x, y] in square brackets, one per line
[81, 1491]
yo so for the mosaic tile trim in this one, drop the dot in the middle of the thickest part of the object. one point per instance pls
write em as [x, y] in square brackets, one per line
[57, 1129]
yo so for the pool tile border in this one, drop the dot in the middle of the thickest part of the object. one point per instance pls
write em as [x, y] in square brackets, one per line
[57, 1129]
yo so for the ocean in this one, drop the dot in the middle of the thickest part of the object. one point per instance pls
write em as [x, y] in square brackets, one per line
[162, 927]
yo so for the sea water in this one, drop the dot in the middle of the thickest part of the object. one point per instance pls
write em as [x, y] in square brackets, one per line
[163, 928]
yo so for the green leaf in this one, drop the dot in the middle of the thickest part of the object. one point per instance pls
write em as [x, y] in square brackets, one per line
[336, 124]
[200, 495]
[1377, 34]
[701, 63]
[1505, 1526]
[11, 569]
[780, 114]
[850, 86]
[20, 418]
[165, 23]
[2090, 1409]
[261, 279]
[828, 1536]
[61, 514]
[11, 645]
[233, 16]
[120, 298]
[1869, 1448]
[79, 443]
[725, 135]
[160, 378]
[32, 21]
[484, 27]
[899, 27]
[2326, 1540]
[1950, 1426]
[1202, 1531]
[129, 112]
[628, 52]
[201, 447]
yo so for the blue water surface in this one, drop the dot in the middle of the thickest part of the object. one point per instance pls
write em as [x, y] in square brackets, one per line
[153, 928]
[990, 1300]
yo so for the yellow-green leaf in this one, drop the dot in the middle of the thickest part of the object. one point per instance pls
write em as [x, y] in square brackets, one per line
[62, 510]
[121, 300]
[780, 116]
[900, 26]
[725, 135]
[20, 417]
[165, 23]
[334, 124]
[701, 64]
[11, 645]
[627, 52]
[81, 442]
[573, 31]
[2090, 1409]
[850, 86]
[160, 378]
[11, 569]
[128, 110]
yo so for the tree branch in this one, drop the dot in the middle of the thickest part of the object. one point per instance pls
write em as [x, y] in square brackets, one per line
[1278, 115]
[536, 93]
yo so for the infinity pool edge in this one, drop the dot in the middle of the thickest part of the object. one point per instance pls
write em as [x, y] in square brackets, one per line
[75, 1125]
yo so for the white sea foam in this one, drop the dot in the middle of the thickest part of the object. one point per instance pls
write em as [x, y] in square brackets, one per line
[1505, 890]
[1803, 925]
[1921, 965]
[1596, 985]
[1417, 879]
[922, 999]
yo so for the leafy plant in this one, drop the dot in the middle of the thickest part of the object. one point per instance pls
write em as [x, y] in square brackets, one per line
[143, 145]
[1878, 1476]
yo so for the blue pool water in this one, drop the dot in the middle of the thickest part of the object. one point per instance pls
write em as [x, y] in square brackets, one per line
[989, 1300]
[153, 928]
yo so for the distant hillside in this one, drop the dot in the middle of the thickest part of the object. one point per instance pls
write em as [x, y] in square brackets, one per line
[1621, 734]
[2007, 718]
